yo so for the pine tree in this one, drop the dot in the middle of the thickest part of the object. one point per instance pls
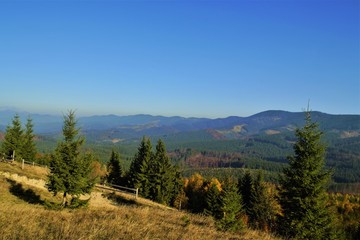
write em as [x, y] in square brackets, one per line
[213, 199]
[162, 176]
[114, 169]
[69, 169]
[13, 140]
[29, 147]
[303, 188]
[246, 188]
[231, 209]
[262, 212]
[139, 168]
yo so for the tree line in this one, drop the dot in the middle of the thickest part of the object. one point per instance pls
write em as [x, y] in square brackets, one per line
[19, 141]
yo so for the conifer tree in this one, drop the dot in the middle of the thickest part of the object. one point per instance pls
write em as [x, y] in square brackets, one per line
[139, 168]
[231, 209]
[69, 169]
[262, 212]
[115, 171]
[246, 188]
[213, 199]
[13, 140]
[161, 175]
[303, 188]
[29, 147]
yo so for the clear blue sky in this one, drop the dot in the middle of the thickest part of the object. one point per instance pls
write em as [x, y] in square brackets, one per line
[187, 58]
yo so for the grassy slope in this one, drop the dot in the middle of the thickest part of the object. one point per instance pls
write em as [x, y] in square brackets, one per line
[23, 216]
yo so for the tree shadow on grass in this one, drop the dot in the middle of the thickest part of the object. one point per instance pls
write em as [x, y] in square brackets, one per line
[28, 195]
[120, 200]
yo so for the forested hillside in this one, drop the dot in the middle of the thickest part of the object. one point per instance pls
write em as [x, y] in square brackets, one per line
[236, 185]
[262, 141]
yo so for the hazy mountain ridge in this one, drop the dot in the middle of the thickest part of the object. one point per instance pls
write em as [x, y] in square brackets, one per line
[124, 127]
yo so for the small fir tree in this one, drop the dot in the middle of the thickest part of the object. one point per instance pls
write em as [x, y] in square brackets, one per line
[263, 210]
[162, 176]
[29, 147]
[13, 140]
[231, 208]
[115, 171]
[246, 188]
[139, 168]
[69, 169]
[213, 199]
[303, 188]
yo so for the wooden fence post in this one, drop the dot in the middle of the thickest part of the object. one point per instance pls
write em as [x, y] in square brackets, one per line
[136, 193]
[23, 163]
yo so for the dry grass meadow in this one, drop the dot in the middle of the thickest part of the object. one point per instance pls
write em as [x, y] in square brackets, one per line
[108, 216]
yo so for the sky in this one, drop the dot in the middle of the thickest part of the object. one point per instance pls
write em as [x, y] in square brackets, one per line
[185, 58]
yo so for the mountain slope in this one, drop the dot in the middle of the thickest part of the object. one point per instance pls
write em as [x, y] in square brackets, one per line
[23, 216]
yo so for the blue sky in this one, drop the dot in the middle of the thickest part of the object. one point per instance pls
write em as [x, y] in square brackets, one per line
[187, 58]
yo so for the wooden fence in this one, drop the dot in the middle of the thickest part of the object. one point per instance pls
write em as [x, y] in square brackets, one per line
[30, 163]
[117, 188]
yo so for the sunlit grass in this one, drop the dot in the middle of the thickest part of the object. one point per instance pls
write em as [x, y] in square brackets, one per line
[23, 215]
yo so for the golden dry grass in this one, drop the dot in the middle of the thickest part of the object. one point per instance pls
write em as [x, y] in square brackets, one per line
[28, 171]
[103, 219]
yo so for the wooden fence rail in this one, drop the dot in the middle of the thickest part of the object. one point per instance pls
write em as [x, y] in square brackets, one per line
[30, 163]
[117, 188]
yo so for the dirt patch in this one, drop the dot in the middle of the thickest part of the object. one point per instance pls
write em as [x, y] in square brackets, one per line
[38, 183]
[96, 198]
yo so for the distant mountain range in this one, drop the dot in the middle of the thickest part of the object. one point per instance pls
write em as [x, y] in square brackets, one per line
[112, 127]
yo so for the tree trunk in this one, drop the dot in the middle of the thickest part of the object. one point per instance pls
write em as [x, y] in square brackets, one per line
[64, 203]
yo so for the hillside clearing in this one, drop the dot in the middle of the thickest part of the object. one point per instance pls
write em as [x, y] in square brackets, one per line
[22, 216]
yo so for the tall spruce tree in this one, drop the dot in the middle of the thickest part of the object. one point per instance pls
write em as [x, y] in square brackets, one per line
[139, 168]
[29, 147]
[69, 169]
[162, 175]
[115, 171]
[246, 188]
[13, 140]
[303, 188]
